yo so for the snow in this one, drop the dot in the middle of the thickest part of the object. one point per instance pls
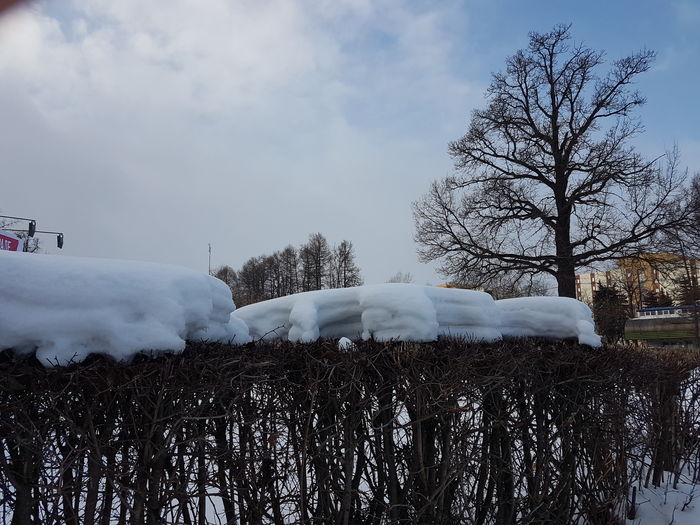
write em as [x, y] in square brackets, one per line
[665, 505]
[410, 312]
[551, 317]
[64, 308]
[382, 312]
[346, 344]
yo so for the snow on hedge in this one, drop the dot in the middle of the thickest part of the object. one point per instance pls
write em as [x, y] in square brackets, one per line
[416, 313]
[383, 312]
[550, 317]
[64, 308]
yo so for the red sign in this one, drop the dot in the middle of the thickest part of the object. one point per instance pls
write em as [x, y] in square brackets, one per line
[10, 242]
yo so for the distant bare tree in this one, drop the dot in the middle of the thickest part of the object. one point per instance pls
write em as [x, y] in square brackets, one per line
[252, 281]
[400, 277]
[289, 269]
[548, 181]
[228, 275]
[306, 277]
[315, 256]
[691, 234]
[343, 273]
[274, 284]
[683, 243]
[311, 267]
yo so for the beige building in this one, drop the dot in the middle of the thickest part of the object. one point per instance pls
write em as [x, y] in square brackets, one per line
[637, 277]
[587, 284]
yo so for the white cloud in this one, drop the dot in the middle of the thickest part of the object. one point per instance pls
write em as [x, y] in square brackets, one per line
[247, 124]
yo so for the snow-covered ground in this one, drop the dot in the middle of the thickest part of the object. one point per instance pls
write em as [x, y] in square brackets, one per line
[64, 308]
[667, 505]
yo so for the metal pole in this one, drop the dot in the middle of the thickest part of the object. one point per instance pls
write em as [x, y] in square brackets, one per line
[209, 258]
[16, 218]
[60, 235]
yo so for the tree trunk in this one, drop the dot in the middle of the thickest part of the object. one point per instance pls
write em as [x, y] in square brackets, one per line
[566, 280]
[566, 271]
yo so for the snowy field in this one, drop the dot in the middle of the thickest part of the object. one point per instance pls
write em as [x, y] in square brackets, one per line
[63, 308]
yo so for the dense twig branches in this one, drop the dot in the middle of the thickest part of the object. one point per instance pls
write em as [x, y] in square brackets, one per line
[547, 180]
[452, 432]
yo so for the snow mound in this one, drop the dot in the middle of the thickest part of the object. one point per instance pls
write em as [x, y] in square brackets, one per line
[382, 312]
[408, 312]
[551, 317]
[64, 308]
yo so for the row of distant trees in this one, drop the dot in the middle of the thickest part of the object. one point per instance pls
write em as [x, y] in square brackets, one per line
[314, 265]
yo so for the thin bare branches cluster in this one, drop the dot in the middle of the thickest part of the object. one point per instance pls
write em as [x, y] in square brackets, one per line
[522, 431]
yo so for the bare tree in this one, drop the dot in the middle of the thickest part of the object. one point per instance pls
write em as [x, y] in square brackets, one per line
[400, 277]
[252, 281]
[228, 275]
[683, 245]
[315, 256]
[289, 268]
[507, 285]
[274, 284]
[344, 272]
[515, 284]
[547, 180]
[311, 267]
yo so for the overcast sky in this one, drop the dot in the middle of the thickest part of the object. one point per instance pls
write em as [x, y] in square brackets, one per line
[146, 130]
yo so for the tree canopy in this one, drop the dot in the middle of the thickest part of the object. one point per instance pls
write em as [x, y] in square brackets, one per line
[546, 179]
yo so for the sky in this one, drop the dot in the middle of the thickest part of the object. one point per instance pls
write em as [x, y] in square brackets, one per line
[147, 130]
